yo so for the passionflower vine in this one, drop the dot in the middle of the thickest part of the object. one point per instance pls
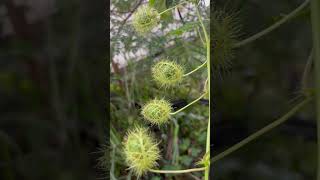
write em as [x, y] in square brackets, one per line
[157, 111]
[141, 150]
[167, 73]
[145, 19]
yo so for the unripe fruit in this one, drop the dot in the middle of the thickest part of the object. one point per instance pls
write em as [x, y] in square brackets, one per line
[167, 73]
[225, 32]
[141, 150]
[145, 19]
[157, 111]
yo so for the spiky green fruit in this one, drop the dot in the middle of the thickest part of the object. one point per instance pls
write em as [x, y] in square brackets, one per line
[225, 31]
[167, 73]
[145, 19]
[141, 150]
[205, 161]
[157, 111]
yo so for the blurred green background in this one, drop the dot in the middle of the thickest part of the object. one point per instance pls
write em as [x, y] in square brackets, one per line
[53, 84]
[263, 83]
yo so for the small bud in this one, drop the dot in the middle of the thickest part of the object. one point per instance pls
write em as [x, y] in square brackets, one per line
[141, 150]
[167, 73]
[145, 19]
[157, 111]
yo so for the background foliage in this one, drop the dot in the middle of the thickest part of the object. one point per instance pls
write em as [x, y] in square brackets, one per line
[263, 83]
[52, 89]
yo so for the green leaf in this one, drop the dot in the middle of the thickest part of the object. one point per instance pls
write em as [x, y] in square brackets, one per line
[195, 152]
[202, 137]
[186, 27]
[169, 3]
[160, 5]
[186, 160]
[151, 2]
[185, 144]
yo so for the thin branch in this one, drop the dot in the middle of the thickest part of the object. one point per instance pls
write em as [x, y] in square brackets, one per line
[177, 171]
[180, 16]
[262, 131]
[188, 104]
[307, 68]
[127, 17]
[291, 15]
[196, 69]
[169, 9]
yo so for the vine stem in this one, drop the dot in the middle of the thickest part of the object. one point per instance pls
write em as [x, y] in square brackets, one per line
[175, 157]
[315, 21]
[207, 40]
[306, 71]
[172, 7]
[177, 171]
[196, 100]
[261, 131]
[274, 26]
[196, 69]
